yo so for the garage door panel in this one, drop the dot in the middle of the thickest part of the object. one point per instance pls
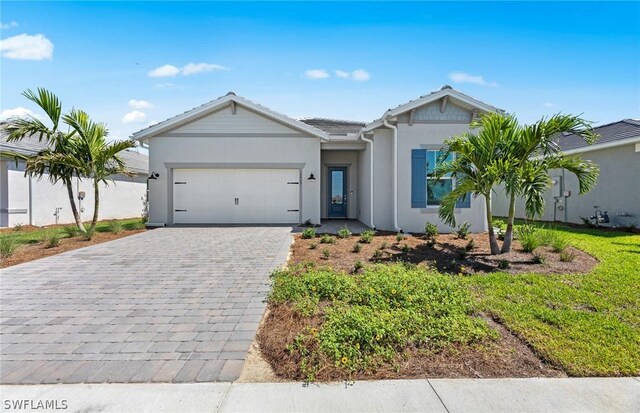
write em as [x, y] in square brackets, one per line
[228, 196]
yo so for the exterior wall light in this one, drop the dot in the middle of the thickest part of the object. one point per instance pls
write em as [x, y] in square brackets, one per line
[154, 175]
[311, 177]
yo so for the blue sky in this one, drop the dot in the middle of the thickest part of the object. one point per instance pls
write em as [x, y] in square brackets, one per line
[337, 60]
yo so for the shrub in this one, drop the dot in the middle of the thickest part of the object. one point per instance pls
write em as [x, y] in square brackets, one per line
[70, 231]
[131, 226]
[406, 248]
[357, 247]
[463, 253]
[89, 234]
[463, 230]
[327, 239]
[344, 233]
[357, 266]
[384, 246]
[326, 253]
[309, 233]
[504, 264]
[313, 245]
[115, 227]
[471, 245]
[8, 245]
[400, 237]
[17, 227]
[430, 231]
[567, 256]
[539, 258]
[51, 238]
[377, 254]
[529, 236]
[367, 236]
[559, 244]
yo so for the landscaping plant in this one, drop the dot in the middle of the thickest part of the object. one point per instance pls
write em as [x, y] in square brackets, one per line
[344, 233]
[463, 230]
[327, 239]
[357, 247]
[430, 231]
[308, 233]
[8, 245]
[529, 236]
[367, 236]
[115, 226]
[51, 238]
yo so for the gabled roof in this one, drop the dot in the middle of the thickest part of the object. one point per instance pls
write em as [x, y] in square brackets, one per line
[334, 126]
[616, 132]
[135, 161]
[220, 103]
[446, 90]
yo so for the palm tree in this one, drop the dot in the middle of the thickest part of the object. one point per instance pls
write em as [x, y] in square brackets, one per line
[18, 128]
[477, 165]
[532, 153]
[92, 156]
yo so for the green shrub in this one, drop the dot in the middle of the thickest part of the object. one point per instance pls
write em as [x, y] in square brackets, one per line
[327, 239]
[89, 234]
[529, 236]
[559, 244]
[400, 237]
[135, 225]
[405, 248]
[367, 236]
[17, 227]
[504, 264]
[51, 238]
[8, 246]
[357, 247]
[463, 230]
[539, 258]
[567, 256]
[377, 254]
[344, 233]
[115, 226]
[357, 266]
[471, 245]
[313, 245]
[326, 253]
[309, 233]
[430, 231]
[70, 231]
[384, 246]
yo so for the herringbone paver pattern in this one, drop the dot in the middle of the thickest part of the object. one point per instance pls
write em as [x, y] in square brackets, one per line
[168, 305]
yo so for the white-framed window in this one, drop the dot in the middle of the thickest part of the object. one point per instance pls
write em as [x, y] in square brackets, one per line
[437, 188]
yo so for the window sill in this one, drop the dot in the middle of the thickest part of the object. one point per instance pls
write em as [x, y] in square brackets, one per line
[434, 210]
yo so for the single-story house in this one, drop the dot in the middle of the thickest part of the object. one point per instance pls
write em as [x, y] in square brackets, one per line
[617, 153]
[31, 201]
[233, 161]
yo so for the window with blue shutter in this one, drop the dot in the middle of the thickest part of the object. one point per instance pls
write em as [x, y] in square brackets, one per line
[418, 178]
[464, 202]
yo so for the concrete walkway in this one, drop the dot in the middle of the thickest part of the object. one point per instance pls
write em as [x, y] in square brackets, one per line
[582, 395]
[168, 305]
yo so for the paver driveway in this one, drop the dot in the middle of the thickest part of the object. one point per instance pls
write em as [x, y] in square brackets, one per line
[168, 305]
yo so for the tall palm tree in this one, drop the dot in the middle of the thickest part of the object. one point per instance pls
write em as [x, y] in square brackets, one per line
[532, 153]
[477, 165]
[59, 142]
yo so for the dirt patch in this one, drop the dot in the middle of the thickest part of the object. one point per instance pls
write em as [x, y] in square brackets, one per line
[31, 252]
[448, 255]
[507, 356]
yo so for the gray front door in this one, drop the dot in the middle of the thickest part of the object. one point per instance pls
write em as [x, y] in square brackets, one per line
[337, 192]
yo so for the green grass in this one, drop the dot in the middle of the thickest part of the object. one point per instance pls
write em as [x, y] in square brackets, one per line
[23, 237]
[588, 324]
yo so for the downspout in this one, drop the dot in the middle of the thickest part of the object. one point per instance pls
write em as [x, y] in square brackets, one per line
[370, 142]
[395, 173]
[30, 200]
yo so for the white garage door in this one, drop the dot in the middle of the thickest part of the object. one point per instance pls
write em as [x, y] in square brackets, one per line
[236, 196]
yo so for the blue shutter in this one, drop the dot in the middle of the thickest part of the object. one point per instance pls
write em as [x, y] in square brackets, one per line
[464, 202]
[418, 178]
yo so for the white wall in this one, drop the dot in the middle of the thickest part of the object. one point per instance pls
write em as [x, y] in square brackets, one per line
[348, 159]
[122, 198]
[382, 179]
[364, 185]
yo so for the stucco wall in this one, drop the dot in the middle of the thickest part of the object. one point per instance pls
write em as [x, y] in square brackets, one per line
[364, 185]
[122, 198]
[382, 179]
[617, 191]
[348, 159]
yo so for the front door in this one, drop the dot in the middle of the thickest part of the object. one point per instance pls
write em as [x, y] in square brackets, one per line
[337, 192]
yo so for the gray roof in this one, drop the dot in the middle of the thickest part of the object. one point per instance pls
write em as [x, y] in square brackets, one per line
[615, 131]
[135, 161]
[334, 126]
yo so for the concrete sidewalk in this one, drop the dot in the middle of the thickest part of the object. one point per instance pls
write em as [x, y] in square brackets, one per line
[435, 395]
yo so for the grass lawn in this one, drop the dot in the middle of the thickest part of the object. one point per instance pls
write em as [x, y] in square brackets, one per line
[588, 324]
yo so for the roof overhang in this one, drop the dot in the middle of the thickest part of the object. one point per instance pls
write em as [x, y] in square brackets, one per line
[218, 104]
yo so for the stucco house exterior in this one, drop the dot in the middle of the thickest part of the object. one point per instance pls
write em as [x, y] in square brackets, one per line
[617, 153]
[232, 161]
[30, 201]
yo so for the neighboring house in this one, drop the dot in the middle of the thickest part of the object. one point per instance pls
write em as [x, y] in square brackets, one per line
[232, 161]
[617, 153]
[32, 201]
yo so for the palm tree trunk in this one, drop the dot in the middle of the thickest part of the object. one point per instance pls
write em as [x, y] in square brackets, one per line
[96, 206]
[74, 208]
[508, 235]
[493, 242]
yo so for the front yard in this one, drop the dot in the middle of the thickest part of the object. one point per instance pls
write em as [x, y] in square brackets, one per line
[390, 306]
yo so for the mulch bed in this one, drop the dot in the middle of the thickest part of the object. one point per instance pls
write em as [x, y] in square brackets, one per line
[505, 357]
[30, 252]
[447, 255]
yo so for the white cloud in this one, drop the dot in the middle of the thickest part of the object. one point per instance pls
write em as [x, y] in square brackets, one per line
[549, 105]
[164, 71]
[9, 25]
[360, 75]
[19, 112]
[135, 116]
[315, 74]
[342, 74]
[139, 104]
[462, 77]
[193, 68]
[27, 47]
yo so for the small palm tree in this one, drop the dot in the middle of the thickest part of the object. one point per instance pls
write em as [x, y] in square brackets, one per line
[18, 128]
[532, 153]
[477, 165]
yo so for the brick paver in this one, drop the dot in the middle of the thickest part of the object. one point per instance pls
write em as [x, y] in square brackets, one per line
[168, 305]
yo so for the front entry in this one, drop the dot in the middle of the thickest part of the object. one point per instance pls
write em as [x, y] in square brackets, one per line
[337, 192]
